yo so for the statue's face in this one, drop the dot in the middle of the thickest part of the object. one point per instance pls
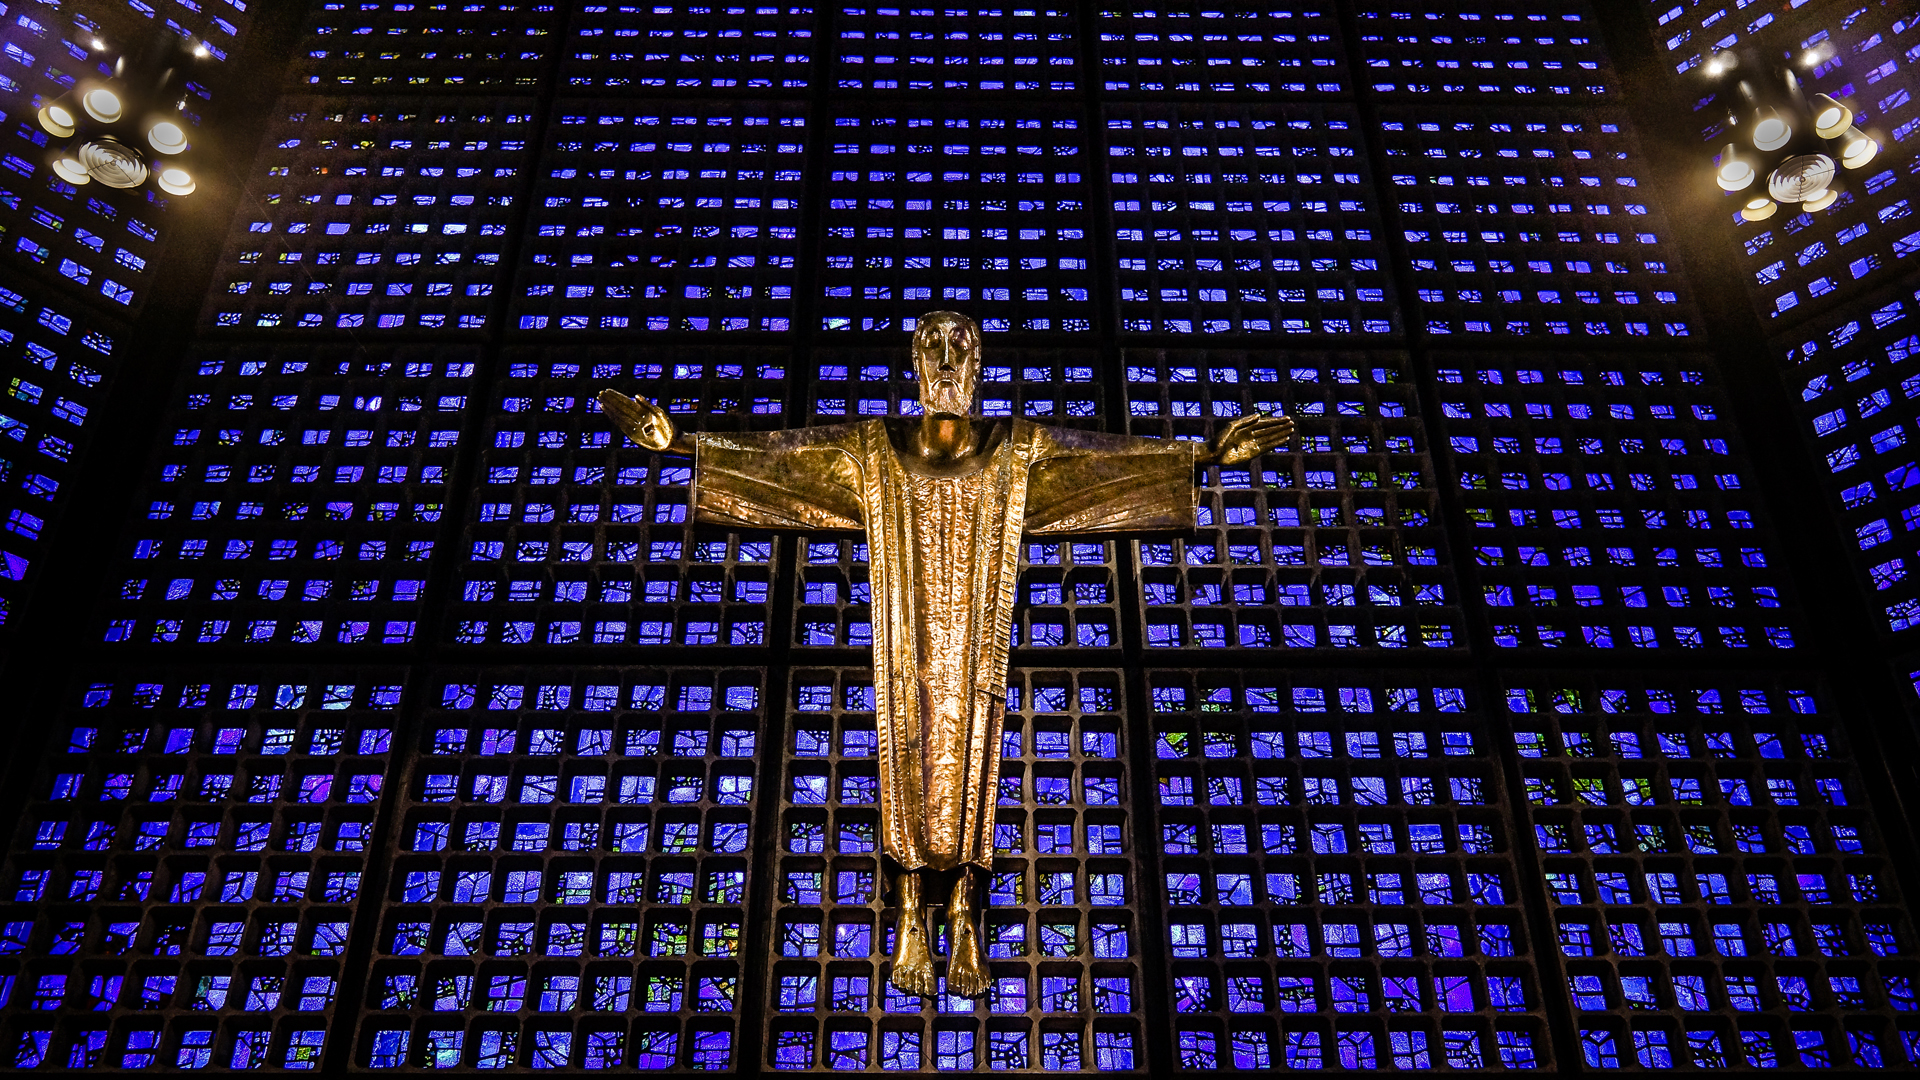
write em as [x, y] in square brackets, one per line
[946, 359]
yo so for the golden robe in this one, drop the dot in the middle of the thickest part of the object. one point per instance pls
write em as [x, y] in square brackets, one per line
[944, 559]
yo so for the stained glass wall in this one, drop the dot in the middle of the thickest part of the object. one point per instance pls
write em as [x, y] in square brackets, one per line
[1485, 727]
[74, 266]
[200, 850]
[1834, 285]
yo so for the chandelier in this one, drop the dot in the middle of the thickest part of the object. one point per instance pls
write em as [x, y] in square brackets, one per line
[1795, 145]
[127, 128]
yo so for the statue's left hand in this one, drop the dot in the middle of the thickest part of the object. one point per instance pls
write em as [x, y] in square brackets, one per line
[1247, 437]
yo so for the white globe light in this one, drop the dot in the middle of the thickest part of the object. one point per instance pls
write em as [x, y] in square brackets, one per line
[1759, 208]
[1820, 201]
[167, 137]
[102, 104]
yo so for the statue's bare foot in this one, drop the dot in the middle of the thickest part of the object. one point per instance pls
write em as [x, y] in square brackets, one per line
[912, 962]
[966, 970]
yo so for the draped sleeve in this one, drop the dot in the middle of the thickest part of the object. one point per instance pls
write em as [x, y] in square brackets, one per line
[1087, 482]
[808, 478]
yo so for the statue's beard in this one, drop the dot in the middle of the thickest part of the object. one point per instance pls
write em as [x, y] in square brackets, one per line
[947, 398]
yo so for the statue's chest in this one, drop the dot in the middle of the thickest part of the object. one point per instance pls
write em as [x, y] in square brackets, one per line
[945, 512]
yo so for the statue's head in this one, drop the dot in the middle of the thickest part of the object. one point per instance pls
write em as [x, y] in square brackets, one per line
[946, 360]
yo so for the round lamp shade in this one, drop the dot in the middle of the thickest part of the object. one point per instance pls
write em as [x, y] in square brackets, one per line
[175, 181]
[68, 168]
[1734, 173]
[166, 137]
[58, 121]
[1830, 118]
[1771, 130]
[102, 104]
[1856, 149]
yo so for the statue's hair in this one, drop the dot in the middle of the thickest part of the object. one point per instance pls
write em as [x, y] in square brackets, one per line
[953, 315]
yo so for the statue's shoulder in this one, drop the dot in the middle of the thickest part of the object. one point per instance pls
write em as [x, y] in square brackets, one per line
[804, 438]
[1068, 441]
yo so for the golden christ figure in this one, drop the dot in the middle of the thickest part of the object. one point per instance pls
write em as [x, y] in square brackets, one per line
[944, 501]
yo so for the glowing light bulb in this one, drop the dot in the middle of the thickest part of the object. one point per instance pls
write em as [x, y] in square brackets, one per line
[1759, 208]
[1820, 201]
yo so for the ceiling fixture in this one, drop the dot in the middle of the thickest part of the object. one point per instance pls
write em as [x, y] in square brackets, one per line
[1793, 145]
[125, 120]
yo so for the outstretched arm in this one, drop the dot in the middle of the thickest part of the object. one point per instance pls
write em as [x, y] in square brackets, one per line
[1246, 438]
[645, 423]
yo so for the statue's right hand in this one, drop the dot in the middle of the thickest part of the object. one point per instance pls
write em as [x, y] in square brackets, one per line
[641, 420]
